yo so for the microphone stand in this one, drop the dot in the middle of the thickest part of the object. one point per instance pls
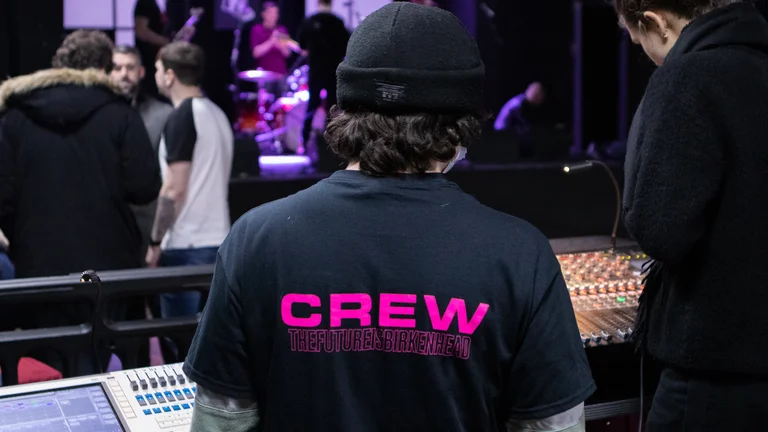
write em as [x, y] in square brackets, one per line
[583, 166]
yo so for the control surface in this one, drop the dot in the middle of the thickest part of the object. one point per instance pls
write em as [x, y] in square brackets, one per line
[604, 289]
[150, 399]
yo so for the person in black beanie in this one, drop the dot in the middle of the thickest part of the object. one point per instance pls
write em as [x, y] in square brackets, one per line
[384, 298]
[696, 201]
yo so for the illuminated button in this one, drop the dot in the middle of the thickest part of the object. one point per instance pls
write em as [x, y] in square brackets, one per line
[147, 412]
[159, 397]
[150, 399]
[167, 409]
[140, 400]
[169, 396]
[193, 404]
[156, 410]
[185, 406]
[194, 389]
[177, 393]
[176, 408]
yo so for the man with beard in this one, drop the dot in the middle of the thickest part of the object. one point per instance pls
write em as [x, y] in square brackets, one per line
[128, 73]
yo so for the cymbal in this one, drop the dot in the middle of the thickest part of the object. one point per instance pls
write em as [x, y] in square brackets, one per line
[259, 76]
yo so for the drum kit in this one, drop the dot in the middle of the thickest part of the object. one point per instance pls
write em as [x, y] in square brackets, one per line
[272, 108]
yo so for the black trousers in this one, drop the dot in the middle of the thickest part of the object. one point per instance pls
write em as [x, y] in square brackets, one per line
[687, 402]
[316, 86]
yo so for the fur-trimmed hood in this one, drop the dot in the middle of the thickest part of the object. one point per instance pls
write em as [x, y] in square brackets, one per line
[58, 96]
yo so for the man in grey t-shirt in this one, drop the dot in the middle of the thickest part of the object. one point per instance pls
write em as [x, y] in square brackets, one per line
[128, 72]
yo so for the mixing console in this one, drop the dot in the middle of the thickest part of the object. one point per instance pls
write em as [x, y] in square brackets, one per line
[148, 400]
[604, 288]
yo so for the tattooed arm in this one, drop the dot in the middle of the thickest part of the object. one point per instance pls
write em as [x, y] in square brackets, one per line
[169, 204]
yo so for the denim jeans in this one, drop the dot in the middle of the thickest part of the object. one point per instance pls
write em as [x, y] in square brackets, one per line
[185, 303]
[6, 267]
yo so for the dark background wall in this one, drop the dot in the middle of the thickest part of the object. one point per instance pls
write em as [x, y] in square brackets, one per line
[520, 41]
[30, 32]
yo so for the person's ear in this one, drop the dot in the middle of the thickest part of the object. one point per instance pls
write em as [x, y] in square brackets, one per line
[656, 22]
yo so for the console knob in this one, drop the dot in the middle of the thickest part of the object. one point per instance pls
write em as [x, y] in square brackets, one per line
[584, 338]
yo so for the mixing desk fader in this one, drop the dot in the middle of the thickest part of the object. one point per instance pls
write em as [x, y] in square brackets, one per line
[150, 399]
[604, 289]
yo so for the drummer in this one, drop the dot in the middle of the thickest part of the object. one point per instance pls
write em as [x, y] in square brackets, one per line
[270, 43]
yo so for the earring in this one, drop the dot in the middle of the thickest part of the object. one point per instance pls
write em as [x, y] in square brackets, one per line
[666, 35]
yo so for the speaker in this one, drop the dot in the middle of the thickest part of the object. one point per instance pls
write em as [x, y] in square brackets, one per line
[245, 161]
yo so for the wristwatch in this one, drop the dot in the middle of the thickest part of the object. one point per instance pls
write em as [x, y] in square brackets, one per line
[154, 243]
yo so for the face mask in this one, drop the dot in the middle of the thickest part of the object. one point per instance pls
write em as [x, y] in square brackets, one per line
[460, 155]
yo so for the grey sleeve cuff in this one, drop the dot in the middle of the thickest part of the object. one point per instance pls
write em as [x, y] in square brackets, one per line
[568, 421]
[218, 413]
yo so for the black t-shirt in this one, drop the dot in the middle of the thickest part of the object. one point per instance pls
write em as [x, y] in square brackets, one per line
[150, 10]
[389, 304]
[325, 37]
[180, 133]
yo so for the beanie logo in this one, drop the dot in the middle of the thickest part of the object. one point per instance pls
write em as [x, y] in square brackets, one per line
[388, 93]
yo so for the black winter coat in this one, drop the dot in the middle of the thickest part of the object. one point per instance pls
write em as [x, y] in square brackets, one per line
[73, 156]
[696, 195]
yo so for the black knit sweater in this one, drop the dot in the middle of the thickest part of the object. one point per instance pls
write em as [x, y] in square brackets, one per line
[696, 195]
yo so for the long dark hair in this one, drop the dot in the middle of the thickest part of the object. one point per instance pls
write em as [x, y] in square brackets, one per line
[390, 144]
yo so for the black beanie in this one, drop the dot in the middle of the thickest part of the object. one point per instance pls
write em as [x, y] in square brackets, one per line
[407, 58]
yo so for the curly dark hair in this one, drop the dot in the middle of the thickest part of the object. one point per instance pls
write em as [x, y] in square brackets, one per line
[632, 10]
[85, 49]
[390, 144]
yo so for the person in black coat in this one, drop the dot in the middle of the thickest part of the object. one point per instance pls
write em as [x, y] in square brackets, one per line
[73, 156]
[696, 200]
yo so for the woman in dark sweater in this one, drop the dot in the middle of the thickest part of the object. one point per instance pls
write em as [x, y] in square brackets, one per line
[696, 200]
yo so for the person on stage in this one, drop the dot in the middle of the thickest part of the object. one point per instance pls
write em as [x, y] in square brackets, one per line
[384, 298]
[270, 43]
[324, 37]
[150, 25]
[696, 202]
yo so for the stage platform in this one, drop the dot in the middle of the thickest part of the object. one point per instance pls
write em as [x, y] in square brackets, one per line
[559, 204]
